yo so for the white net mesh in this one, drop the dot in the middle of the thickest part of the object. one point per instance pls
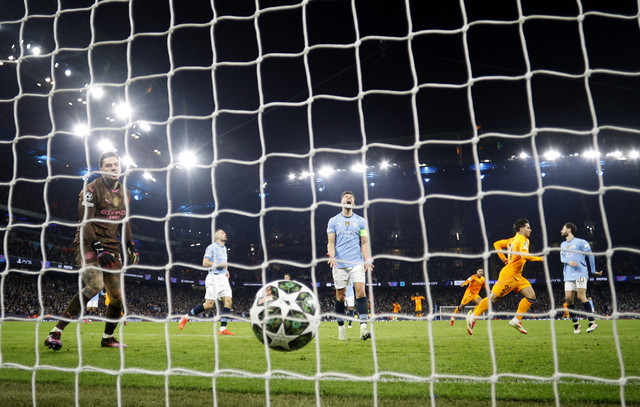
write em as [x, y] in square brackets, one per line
[448, 121]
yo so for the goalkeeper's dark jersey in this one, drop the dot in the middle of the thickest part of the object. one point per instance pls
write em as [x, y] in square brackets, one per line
[108, 204]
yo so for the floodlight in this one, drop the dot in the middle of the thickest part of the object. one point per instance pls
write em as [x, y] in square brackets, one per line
[106, 145]
[591, 154]
[186, 159]
[552, 155]
[96, 92]
[81, 130]
[325, 172]
[122, 110]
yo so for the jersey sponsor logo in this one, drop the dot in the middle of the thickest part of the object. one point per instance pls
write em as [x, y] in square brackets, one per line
[110, 214]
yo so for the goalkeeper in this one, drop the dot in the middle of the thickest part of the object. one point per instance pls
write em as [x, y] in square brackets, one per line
[97, 248]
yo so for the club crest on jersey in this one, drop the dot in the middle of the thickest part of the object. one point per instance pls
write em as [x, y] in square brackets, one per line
[116, 201]
[346, 223]
[87, 199]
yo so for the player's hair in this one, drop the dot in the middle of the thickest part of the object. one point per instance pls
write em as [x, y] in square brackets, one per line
[106, 155]
[571, 227]
[520, 223]
[347, 192]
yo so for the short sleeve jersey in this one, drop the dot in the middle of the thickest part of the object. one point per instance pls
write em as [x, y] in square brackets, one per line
[475, 284]
[348, 232]
[109, 204]
[569, 253]
[515, 246]
[217, 253]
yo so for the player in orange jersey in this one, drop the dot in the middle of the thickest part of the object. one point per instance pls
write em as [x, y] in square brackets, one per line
[396, 309]
[418, 300]
[510, 278]
[472, 293]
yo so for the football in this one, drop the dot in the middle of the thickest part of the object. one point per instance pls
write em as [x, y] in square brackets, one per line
[285, 314]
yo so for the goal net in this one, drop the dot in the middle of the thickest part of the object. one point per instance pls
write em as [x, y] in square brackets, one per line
[447, 120]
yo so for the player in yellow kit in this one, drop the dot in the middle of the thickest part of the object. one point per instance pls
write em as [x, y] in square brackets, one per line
[472, 293]
[396, 309]
[510, 278]
[418, 300]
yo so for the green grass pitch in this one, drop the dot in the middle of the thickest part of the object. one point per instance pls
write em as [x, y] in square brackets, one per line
[411, 361]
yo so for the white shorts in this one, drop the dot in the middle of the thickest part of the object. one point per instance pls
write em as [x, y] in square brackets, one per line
[217, 286]
[581, 282]
[341, 276]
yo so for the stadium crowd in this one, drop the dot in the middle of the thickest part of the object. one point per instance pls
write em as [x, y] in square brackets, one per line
[28, 294]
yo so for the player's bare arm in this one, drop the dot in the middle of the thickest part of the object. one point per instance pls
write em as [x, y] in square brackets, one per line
[368, 264]
[331, 250]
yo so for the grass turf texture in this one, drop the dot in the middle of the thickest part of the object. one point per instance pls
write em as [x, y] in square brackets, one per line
[160, 357]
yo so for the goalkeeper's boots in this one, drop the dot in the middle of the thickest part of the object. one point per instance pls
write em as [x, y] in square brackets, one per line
[111, 343]
[225, 332]
[53, 341]
[364, 333]
[342, 333]
[517, 325]
[577, 328]
[183, 322]
[592, 327]
[471, 323]
[453, 319]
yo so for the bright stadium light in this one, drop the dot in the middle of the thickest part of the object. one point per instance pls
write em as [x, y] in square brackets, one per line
[634, 154]
[292, 176]
[325, 172]
[384, 165]
[615, 154]
[122, 110]
[36, 50]
[144, 125]
[523, 155]
[590, 154]
[96, 92]
[147, 175]
[105, 145]
[552, 155]
[359, 167]
[81, 130]
[67, 72]
[186, 159]
[128, 162]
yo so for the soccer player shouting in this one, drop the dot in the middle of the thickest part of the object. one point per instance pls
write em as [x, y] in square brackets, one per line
[349, 258]
[510, 278]
[99, 243]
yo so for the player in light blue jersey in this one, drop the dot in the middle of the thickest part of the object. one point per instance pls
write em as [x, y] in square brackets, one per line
[349, 259]
[573, 254]
[216, 284]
